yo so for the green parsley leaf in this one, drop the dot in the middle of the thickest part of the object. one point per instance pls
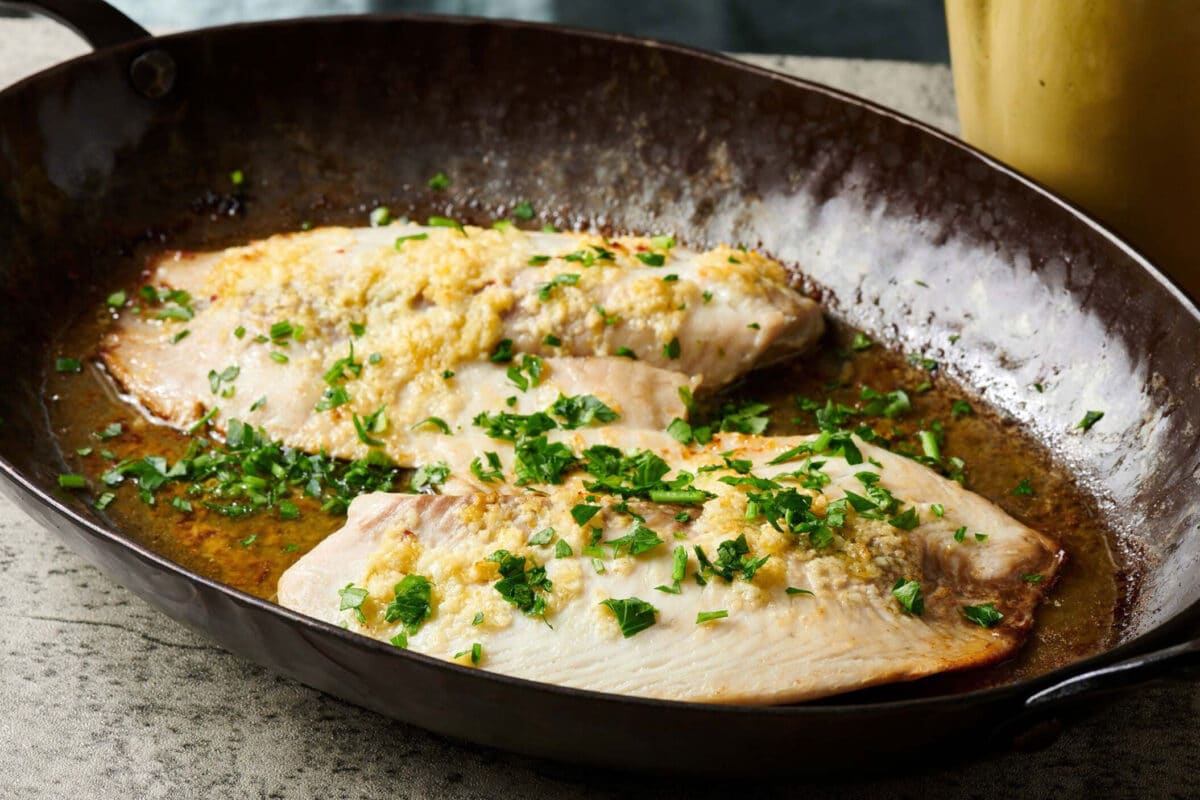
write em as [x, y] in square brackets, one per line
[352, 598]
[651, 259]
[551, 340]
[582, 513]
[1085, 424]
[640, 539]
[430, 476]
[1023, 489]
[861, 342]
[380, 216]
[544, 536]
[398, 245]
[908, 593]
[252, 538]
[562, 549]
[278, 358]
[400, 640]
[446, 222]
[503, 352]
[439, 182]
[960, 534]
[625, 352]
[104, 501]
[984, 615]
[938, 509]
[664, 242]
[1033, 577]
[493, 473]
[116, 299]
[110, 431]
[68, 365]
[633, 615]
[436, 422]
[582, 410]
[906, 520]
[671, 349]
[563, 279]
[478, 618]
[960, 408]
[412, 604]
[237, 177]
[180, 336]
[681, 431]
[523, 210]
[521, 586]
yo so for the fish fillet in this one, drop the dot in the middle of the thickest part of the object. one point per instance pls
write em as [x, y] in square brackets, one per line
[416, 316]
[774, 646]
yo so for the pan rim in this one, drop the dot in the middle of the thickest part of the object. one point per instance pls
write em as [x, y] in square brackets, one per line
[1164, 630]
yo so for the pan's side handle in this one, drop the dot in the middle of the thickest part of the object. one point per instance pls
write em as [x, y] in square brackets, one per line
[97, 22]
[1037, 723]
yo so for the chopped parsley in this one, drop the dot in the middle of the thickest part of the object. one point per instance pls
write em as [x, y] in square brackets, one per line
[523, 210]
[960, 534]
[180, 336]
[671, 349]
[352, 598]
[792, 591]
[551, 340]
[562, 549]
[708, 616]
[503, 352]
[640, 539]
[493, 471]
[380, 216]
[104, 501]
[226, 376]
[429, 476]
[110, 431]
[1023, 489]
[651, 259]
[528, 374]
[1085, 424]
[861, 342]
[412, 237]
[439, 182]
[544, 536]
[908, 594]
[582, 513]
[733, 560]
[563, 279]
[436, 422]
[1033, 577]
[625, 352]
[68, 365]
[116, 299]
[663, 242]
[412, 604]
[446, 222]
[581, 410]
[278, 358]
[984, 615]
[633, 615]
[476, 653]
[477, 619]
[524, 588]
[961, 408]
[375, 422]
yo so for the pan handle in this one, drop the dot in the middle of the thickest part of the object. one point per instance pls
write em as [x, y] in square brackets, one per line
[1036, 725]
[97, 22]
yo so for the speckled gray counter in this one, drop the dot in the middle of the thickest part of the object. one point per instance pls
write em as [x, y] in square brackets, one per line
[101, 697]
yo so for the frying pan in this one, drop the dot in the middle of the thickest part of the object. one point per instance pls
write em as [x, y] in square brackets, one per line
[331, 116]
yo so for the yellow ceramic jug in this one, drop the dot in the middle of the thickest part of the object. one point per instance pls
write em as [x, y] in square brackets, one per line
[1097, 99]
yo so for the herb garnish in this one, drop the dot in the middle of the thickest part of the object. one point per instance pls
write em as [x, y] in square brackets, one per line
[633, 615]
[908, 594]
[1089, 419]
[984, 615]
[352, 598]
[524, 588]
[493, 473]
[413, 603]
[708, 616]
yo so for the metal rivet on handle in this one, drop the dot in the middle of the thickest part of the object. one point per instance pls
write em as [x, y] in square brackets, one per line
[153, 74]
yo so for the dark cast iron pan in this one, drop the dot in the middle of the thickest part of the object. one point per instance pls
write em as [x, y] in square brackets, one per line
[331, 116]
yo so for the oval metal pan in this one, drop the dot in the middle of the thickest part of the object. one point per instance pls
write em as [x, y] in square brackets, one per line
[330, 117]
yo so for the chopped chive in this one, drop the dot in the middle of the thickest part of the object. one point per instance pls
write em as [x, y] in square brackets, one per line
[436, 422]
[179, 337]
[412, 237]
[671, 349]
[278, 357]
[68, 365]
[69, 481]
[793, 591]
[1085, 424]
[651, 259]
[709, 616]
[104, 501]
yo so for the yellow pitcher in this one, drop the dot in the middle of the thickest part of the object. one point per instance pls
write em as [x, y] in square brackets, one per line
[1097, 99]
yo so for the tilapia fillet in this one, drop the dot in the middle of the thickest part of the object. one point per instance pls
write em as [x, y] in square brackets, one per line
[775, 643]
[420, 321]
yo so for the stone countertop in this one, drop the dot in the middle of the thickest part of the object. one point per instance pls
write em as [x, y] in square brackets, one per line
[103, 697]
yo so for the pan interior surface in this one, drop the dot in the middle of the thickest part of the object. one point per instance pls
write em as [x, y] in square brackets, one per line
[902, 233]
